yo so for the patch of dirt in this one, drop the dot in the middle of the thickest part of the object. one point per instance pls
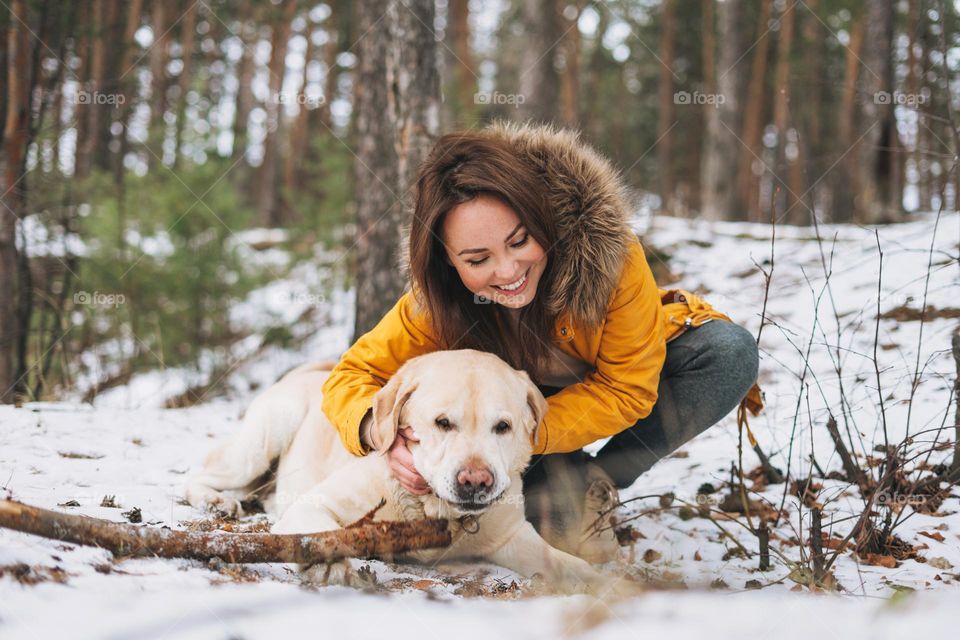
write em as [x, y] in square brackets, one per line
[903, 313]
[29, 575]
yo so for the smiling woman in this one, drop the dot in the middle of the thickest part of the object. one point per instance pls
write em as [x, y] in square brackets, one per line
[519, 247]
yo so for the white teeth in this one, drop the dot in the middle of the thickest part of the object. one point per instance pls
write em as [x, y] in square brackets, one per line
[513, 287]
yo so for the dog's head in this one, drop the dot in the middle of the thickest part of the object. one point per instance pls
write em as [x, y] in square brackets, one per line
[476, 418]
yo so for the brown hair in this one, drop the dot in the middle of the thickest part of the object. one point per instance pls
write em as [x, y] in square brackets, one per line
[460, 167]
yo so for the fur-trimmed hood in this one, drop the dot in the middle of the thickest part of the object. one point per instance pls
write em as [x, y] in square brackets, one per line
[588, 198]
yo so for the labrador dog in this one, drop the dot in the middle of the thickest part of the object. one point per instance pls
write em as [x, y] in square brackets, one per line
[476, 418]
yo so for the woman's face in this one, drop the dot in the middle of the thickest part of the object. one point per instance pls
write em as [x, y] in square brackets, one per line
[493, 252]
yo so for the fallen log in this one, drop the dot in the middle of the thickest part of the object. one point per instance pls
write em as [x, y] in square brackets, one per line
[363, 540]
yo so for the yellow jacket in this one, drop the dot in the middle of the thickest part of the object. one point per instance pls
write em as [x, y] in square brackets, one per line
[611, 313]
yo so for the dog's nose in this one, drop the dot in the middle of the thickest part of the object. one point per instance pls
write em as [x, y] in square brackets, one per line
[473, 482]
[475, 477]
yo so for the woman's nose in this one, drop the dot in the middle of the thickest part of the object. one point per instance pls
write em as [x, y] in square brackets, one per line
[506, 269]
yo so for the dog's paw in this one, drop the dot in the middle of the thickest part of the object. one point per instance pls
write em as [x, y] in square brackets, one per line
[338, 573]
[214, 502]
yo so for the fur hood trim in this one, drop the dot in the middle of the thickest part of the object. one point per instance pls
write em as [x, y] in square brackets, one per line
[589, 200]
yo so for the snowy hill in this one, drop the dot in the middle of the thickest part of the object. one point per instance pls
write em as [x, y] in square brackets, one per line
[816, 360]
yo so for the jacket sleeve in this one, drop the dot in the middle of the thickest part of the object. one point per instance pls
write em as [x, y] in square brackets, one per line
[404, 333]
[623, 387]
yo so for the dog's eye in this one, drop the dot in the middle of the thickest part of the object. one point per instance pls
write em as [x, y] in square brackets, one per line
[501, 428]
[443, 423]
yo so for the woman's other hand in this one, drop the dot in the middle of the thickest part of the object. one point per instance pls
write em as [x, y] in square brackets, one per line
[401, 463]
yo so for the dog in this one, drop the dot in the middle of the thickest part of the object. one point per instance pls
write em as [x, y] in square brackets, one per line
[476, 418]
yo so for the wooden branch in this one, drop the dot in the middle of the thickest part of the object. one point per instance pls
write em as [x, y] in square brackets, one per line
[853, 472]
[362, 540]
[954, 473]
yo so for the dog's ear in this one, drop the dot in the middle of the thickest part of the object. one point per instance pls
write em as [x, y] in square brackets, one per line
[538, 407]
[387, 406]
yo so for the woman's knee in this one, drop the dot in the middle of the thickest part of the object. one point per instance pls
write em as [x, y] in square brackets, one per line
[737, 349]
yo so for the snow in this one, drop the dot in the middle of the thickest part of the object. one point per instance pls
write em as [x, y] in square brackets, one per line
[129, 447]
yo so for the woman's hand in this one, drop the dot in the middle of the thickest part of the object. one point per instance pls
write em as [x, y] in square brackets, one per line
[401, 463]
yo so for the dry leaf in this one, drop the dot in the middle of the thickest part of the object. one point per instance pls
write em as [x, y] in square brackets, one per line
[878, 560]
[933, 536]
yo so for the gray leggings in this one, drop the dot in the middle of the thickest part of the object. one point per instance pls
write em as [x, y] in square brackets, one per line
[707, 372]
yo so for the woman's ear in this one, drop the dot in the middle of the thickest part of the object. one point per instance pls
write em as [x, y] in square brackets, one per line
[387, 407]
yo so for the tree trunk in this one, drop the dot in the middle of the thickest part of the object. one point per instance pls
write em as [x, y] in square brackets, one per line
[665, 114]
[719, 200]
[127, 82]
[159, 81]
[269, 210]
[787, 144]
[847, 184]
[90, 92]
[809, 109]
[877, 128]
[12, 196]
[539, 81]
[299, 138]
[245, 69]
[397, 105]
[748, 180]
[460, 61]
[570, 76]
[188, 37]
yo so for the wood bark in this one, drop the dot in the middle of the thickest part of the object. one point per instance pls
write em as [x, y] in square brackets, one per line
[93, 109]
[719, 195]
[753, 117]
[876, 126]
[787, 145]
[159, 81]
[846, 184]
[363, 540]
[188, 38]
[243, 104]
[809, 118]
[398, 105]
[665, 115]
[461, 64]
[539, 81]
[299, 138]
[268, 205]
[13, 196]
[570, 72]
[954, 472]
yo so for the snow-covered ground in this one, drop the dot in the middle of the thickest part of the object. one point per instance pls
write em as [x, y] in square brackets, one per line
[128, 448]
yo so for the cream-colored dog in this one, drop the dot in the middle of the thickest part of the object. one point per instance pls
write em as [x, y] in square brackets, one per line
[475, 417]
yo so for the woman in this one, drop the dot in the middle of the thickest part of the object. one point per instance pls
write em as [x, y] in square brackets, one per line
[519, 246]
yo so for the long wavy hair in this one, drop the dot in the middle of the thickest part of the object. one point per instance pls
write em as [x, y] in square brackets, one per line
[460, 167]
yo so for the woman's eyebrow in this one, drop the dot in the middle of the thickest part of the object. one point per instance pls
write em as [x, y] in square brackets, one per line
[512, 233]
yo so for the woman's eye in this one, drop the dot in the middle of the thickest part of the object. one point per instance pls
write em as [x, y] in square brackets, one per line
[443, 423]
[501, 428]
[476, 263]
[521, 242]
